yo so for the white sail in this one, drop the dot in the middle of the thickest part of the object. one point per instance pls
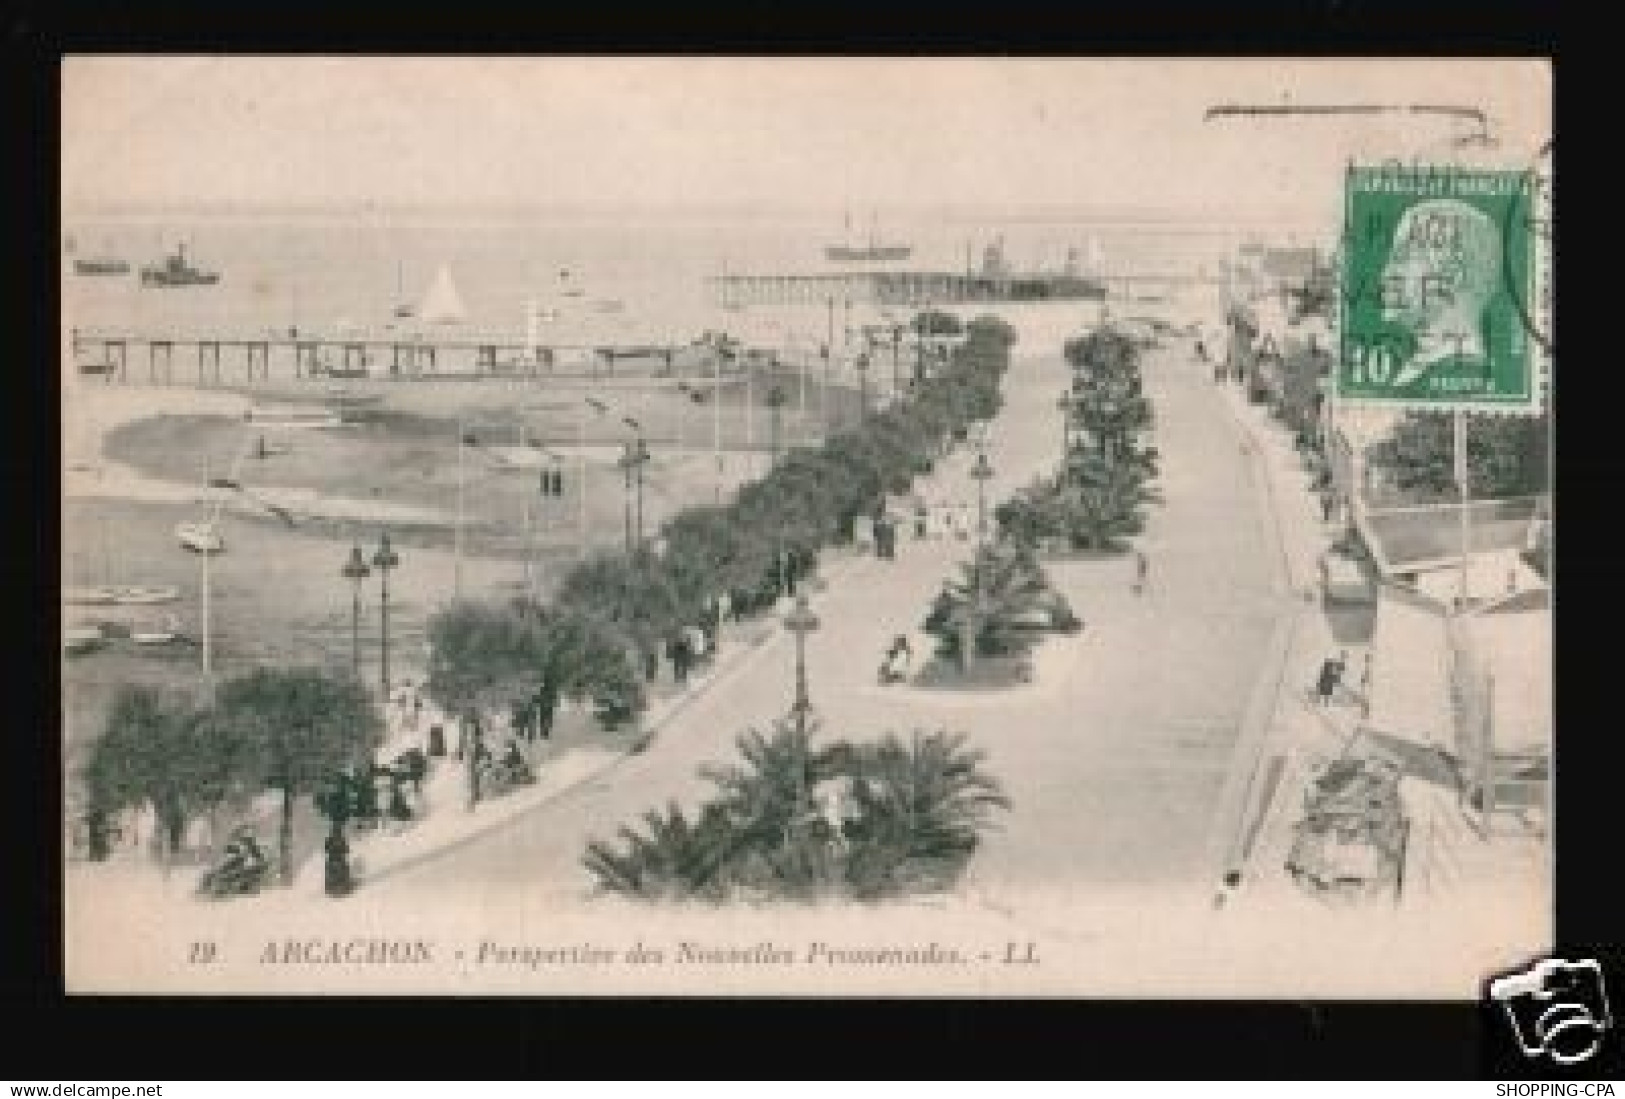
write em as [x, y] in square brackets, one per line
[442, 304]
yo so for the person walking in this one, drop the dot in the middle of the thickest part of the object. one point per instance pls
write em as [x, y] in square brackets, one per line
[1331, 671]
[1365, 685]
[1142, 572]
[681, 659]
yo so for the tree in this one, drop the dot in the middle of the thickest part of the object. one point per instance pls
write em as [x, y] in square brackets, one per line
[917, 809]
[161, 751]
[1104, 354]
[935, 322]
[483, 659]
[299, 726]
[577, 656]
[630, 592]
[1003, 596]
[921, 809]
[1506, 456]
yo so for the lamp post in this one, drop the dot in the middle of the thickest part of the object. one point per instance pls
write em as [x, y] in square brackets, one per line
[716, 426]
[355, 570]
[775, 401]
[384, 560]
[981, 472]
[801, 621]
[862, 365]
[635, 454]
[896, 359]
[1065, 405]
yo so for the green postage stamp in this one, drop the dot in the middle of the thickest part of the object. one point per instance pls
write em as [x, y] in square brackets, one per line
[1444, 289]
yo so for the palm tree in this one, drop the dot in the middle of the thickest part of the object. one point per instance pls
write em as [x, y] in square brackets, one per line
[673, 859]
[921, 809]
[915, 816]
[1002, 596]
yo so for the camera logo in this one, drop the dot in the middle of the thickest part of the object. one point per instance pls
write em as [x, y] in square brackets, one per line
[1556, 1008]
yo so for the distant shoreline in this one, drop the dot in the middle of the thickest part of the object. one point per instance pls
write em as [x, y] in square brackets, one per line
[1203, 221]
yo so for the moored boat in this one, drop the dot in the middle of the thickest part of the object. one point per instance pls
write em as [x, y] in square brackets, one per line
[101, 265]
[175, 271]
[161, 632]
[141, 595]
[200, 537]
[79, 640]
[89, 597]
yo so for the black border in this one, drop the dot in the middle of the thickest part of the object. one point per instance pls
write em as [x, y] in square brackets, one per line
[384, 1039]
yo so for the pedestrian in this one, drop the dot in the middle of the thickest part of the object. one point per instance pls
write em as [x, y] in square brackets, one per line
[1365, 685]
[1328, 506]
[1326, 683]
[1142, 570]
[895, 667]
[681, 657]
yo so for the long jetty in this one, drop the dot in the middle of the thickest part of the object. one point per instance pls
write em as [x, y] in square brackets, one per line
[917, 288]
[312, 355]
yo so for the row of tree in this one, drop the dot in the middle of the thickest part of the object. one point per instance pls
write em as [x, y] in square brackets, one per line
[184, 757]
[863, 821]
[1099, 496]
[601, 636]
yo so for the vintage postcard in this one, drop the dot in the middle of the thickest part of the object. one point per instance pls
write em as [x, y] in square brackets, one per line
[945, 527]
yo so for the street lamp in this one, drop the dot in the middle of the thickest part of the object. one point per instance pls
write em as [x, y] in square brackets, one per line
[775, 401]
[384, 560]
[981, 472]
[801, 621]
[862, 364]
[636, 453]
[355, 570]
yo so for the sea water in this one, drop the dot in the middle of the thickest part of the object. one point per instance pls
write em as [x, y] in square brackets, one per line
[589, 279]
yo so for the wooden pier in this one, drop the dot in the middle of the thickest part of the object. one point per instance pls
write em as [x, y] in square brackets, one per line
[920, 288]
[308, 355]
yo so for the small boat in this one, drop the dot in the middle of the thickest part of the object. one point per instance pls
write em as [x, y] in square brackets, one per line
[871, 251]
[90, 597]
[175, 271]
[82, 639]
[200, 538]
[101, 265]
[157, 633]
[139, 595]
[294, 417]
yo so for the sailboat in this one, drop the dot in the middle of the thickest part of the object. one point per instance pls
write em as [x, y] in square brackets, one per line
[101, 263]
[871, 251]
[442, 304]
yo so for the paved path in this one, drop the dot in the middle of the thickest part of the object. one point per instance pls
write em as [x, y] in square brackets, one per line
[1115, 757]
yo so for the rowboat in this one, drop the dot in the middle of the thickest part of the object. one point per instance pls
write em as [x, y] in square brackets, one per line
[200, 537]
[89, 597]
[143, 596]
[80, 640]
[157, 633]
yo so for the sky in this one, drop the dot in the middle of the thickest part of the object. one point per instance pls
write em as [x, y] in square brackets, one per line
[812, 134]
